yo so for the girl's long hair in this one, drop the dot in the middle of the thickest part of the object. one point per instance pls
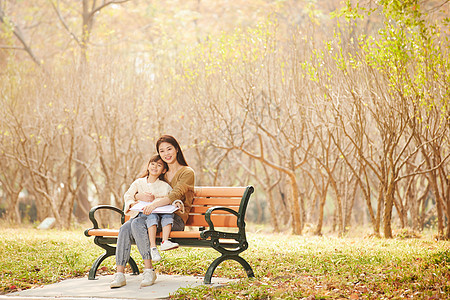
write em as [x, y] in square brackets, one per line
[154, 158]
[171, 140]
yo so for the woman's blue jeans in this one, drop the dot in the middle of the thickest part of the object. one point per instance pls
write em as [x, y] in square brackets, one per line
[136, 230]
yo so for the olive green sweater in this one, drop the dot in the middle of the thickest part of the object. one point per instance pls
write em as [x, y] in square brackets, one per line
[183, 189]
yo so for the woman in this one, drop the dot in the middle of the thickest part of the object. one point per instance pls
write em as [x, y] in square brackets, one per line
[181, 178]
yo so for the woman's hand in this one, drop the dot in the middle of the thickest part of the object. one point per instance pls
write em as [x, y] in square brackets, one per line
[179, 204]
[145, 196]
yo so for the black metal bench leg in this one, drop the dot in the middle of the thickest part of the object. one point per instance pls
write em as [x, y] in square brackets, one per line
[97, 263]
[101, 258]
[222, 258]
[110, 251]
[133, 266]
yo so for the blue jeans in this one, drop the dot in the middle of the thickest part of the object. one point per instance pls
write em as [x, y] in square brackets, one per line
[136, 230]
[159, 220]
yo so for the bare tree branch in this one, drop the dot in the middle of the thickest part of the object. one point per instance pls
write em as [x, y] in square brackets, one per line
[424, 171]
[63, 22]
[11, 47]
[105, 4]
[18, 33]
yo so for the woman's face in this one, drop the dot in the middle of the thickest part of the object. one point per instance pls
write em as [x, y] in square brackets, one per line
[167, 152]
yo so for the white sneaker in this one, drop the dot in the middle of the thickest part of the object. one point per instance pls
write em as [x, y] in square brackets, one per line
[118, 281]
[155, 254]
[149, 277]
[168, 245]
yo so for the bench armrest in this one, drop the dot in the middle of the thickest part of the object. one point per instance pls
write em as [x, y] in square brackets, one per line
[211, 232]
[98, 207]
[212, 209]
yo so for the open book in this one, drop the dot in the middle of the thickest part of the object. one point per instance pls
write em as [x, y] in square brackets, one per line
[166, 209]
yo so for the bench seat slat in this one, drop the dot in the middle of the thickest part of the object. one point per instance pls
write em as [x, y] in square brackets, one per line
[194, 221]
[197, 218]
[173, 234]
[103, 232]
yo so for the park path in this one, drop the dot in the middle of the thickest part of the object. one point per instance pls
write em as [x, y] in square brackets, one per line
[82, 288]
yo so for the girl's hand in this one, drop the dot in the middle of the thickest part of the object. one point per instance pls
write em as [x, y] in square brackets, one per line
[145, 196]
[148, 209]
[135, 201]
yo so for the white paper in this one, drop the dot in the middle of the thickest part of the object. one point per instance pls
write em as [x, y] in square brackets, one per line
[166, 209]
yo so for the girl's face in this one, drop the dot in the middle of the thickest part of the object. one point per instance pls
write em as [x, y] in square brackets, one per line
[156, 168]
[168, 152]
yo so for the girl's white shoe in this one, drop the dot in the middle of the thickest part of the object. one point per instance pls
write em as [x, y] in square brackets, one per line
[155, 255]
[168, 245]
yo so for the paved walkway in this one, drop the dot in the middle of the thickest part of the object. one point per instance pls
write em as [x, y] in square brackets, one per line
[82, 288]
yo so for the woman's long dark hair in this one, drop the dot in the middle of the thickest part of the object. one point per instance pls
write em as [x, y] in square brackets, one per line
[171, 140]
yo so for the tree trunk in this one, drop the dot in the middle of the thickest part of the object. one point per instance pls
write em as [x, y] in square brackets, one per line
[400, 210]
[295, 206]
[423, 212]
[380, 206]
[272, 211]
[416, 205]
[373, 218]
[349, 208]
[320, 219]
[82, 205]
[82, 199]
[388, 205]
[302, 212]
[447, 200]
[259, 211]
[439, 204]
[13, 209]
[339, 219]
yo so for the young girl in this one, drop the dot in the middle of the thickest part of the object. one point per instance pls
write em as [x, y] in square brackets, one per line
[149, 183]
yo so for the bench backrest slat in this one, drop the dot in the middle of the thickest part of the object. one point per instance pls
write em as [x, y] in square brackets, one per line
[197, 210]
[217, 201]
[218, 220]
[217, 191]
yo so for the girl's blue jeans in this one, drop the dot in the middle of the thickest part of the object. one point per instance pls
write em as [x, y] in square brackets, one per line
[159, 220]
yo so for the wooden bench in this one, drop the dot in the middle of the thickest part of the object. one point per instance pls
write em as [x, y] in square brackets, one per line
[213, 207]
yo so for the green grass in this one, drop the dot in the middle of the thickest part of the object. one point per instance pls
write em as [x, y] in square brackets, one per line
[286, 267]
